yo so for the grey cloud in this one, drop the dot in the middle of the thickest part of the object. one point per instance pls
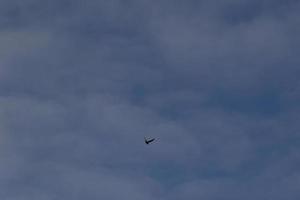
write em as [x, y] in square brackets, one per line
[81, 84]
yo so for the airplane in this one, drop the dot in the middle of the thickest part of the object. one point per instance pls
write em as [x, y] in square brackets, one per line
[148, 141]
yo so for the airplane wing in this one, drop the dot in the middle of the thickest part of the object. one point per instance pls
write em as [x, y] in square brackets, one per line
[151, 140]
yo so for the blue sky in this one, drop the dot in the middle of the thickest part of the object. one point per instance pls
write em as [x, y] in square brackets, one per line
[82, 83]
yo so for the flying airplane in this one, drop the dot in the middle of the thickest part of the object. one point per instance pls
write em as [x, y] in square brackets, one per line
[148, 141]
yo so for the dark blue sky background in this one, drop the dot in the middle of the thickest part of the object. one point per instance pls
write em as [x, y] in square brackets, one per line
[82, 83]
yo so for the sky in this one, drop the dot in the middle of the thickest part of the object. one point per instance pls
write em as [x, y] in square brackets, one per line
[215, 82]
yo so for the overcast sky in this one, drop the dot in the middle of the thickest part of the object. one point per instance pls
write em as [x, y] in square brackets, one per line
[216, 82]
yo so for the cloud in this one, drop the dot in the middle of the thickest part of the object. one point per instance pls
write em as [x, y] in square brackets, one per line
[82, 83]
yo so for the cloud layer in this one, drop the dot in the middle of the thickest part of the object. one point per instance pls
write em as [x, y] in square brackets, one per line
[82, 83]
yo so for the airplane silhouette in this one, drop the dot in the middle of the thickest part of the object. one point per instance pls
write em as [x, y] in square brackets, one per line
[148, 141]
